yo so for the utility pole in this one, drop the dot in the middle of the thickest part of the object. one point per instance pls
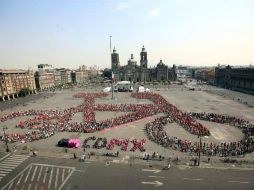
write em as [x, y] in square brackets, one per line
[112, 74]
[5, 138]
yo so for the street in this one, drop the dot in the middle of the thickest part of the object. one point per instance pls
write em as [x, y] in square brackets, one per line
[57, 173]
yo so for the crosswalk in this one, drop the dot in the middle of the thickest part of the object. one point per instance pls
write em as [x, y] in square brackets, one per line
[10, 162]
[40, 177]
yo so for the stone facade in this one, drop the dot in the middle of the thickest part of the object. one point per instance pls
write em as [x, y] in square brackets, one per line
[136, 73]
[44, 80]
[12, 81]
[235, 78]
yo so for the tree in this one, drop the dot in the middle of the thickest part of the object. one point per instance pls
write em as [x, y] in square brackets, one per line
[24, 91]
[107, 73]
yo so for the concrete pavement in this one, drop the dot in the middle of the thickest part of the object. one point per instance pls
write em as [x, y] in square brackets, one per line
[57, 173]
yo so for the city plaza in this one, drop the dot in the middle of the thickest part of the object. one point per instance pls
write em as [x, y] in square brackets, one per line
[185, 100]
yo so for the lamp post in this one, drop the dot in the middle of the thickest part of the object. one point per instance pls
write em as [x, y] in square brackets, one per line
[112, 86]
[200, 146]
[6, 140]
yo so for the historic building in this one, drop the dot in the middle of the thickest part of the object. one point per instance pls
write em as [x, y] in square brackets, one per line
[235, 78]
[134, 72]
[84, 73]
[46, 77]
[12, 81]
[44, 80]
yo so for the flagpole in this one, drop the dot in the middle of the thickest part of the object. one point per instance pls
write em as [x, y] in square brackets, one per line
[112, 74]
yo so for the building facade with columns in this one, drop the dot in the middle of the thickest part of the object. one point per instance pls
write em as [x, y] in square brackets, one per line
[235, 78]
[12, 81]
[141, 73]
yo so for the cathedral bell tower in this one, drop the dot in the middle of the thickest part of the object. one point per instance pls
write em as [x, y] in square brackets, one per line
[143, 58]
[115, 64]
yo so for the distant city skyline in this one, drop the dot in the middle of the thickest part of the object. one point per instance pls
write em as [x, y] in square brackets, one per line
[70, 33]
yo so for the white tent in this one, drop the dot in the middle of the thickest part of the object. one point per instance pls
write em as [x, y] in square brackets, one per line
[107, 89]
[141, 89]
[123, 82]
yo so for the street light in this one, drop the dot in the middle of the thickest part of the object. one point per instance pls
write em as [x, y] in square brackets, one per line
[5, 138]
[200, 146]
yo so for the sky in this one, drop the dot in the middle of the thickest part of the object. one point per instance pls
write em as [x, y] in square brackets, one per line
[69, 33]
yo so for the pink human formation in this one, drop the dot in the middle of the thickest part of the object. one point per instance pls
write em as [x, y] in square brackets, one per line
[155, 131]
[46, 123]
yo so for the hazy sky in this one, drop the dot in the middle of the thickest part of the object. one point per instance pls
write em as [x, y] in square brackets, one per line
[68, 33]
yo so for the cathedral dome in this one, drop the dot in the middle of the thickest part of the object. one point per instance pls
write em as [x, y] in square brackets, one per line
[132, 60]
[160, 63]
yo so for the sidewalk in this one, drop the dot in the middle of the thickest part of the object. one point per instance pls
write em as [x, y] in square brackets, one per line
[183, 162]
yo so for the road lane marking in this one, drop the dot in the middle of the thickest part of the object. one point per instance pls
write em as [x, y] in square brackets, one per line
[22, 187]
[36, 186]
[12, 162]
[11, 181]
[5, 172]
[66, 180]
[7, 169]
[28, 173]
[63, 175]
[36, 167]
[156, 176]
[45, 175]
[16, 158]
[51, 174]
[34, 172]
[20, 156]
[39, 174]
[10, 186]
[53, 166]
[9, 165]
[57, 173]
[29, 186]
[154, 171]
[239, 182]
[191, 179]
[155, 183]
[4, 157]
[19, 179]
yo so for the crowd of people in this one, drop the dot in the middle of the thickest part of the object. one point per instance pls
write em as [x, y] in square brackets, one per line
[155, 131]
[102, 142]
[186, 121]
[245, 126]
[89, 102]
[119, 142]
[46, 123]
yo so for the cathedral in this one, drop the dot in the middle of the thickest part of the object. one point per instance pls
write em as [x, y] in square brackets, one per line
[141, 73]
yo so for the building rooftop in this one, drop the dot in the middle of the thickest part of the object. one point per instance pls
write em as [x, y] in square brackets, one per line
[12, 71]
[236, 67]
